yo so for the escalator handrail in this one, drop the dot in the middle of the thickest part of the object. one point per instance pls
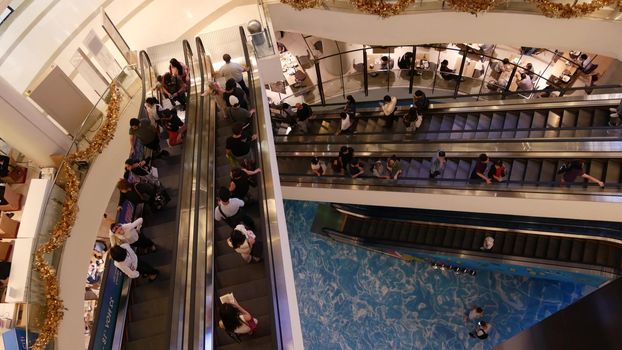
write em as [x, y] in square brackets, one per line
[207, 167]
[265, 198]
[184, 256]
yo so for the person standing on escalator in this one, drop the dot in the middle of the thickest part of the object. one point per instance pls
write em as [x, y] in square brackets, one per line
[389, 106]
[346, 154]
[479, 172]
[570, 172]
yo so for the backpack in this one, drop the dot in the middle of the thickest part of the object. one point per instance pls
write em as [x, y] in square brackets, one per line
[172, 83]
[563, 168]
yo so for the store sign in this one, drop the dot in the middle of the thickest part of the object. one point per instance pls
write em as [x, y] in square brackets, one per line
[109, 305]
[16, 339]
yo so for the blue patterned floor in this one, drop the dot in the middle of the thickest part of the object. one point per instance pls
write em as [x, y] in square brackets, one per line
[353, 298]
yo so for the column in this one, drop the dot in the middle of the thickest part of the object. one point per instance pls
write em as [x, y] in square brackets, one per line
[27, 129]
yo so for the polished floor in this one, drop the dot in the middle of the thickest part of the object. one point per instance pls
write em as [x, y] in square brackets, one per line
[353, 298]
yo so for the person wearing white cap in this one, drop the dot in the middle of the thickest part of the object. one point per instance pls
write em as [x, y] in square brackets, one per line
[238, 114]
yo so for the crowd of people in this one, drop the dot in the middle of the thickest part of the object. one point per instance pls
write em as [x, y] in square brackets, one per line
[140, 189]
[485, 170]
[235, 196]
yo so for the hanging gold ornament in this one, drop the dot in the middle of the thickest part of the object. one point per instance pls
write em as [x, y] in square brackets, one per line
[473, 6]
[302, 4]
[381, 7]
[60, 232]
[548, 8]
[556, 10]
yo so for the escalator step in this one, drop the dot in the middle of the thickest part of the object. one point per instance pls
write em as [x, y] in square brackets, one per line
[371, 228]
[398, 228]
[553, 248]
[519, 245]
[589, 252]
[386, 231]
[458, 238]
[412, 231]
[541, 246]
[508, 243]
[441, 232]
[499, 240]
[564, 249]
[449, 237]
[530, 246]
[429, 235]
[421, 233]
[467, 239]
[601, 254]
[576, 254]
[478, 239]
[613, 258]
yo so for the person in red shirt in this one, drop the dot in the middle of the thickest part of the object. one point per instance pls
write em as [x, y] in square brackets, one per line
[497, 172]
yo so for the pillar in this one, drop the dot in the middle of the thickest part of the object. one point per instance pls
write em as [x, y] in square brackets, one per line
[27, 129]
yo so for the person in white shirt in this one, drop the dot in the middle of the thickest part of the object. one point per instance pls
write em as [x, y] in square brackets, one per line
[244, 242]
[229, 210]
[130, 233]
[233, 70]
[126, 260]
[346, 124]
[388, 105]
[318, 166]
[525, 83]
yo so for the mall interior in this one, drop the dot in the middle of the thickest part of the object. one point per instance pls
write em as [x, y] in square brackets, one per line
[395, 174]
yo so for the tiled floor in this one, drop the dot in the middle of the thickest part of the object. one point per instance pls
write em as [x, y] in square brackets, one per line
[353, 298]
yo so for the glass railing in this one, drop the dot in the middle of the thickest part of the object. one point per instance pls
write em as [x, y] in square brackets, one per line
[445, 72]
[128, 84]
[610, 12]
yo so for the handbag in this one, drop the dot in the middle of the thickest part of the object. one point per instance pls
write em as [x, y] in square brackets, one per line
[167, 104]
[251, 324]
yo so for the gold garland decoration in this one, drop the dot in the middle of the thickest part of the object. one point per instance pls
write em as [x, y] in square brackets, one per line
[60, 232]
[547, 7]
[556, 10]
[381, 8]
[302, 4]
[474, 6]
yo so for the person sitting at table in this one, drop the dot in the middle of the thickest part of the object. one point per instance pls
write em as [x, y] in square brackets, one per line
[281, 47]
[385, 63]
[529, 71]
[525, 83]
[587, 66]
[448, 73]
[424, 63]
[358, 67]
[405, 61]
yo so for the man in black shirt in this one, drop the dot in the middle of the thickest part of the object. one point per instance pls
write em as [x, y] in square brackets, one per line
[345, 157]
[232, 89]
[238, 146]
[303, 113]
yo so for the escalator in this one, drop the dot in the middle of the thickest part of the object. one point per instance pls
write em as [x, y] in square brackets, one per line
[592, 254]
[524, 173]
[148, 322]
[250, 283]
[588, 119]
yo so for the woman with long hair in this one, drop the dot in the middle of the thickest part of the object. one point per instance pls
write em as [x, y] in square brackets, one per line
[179, 70]
[234, 319]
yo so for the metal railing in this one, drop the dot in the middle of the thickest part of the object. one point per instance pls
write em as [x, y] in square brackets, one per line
[470, 72]
[36, 293]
